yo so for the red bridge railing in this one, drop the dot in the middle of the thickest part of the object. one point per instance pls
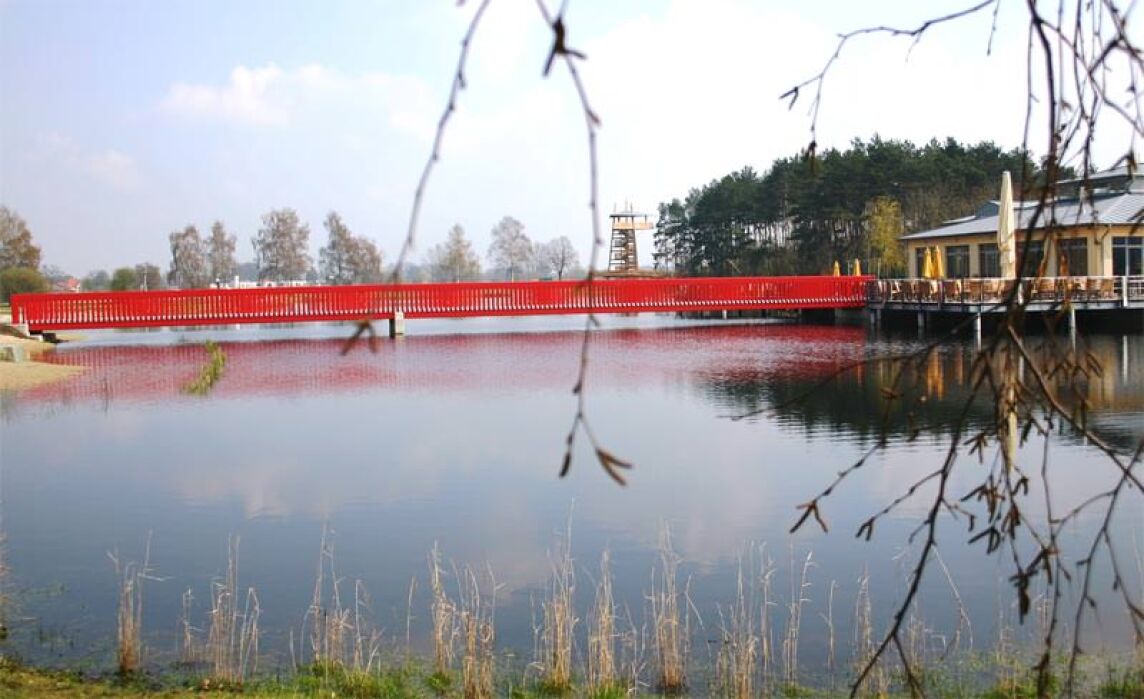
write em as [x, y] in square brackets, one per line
[68, 311]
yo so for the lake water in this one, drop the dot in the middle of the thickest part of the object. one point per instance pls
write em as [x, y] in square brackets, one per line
[454, 436]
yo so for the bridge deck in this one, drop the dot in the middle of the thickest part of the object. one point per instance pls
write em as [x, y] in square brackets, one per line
[69, 311]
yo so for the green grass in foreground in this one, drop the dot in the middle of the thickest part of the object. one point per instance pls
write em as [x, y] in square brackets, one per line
[20, 682]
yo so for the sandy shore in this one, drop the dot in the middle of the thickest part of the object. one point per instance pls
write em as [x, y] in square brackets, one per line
[17, 376]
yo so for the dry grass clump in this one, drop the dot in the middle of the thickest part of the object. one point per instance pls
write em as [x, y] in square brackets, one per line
[471, 619]
[737, 660]
[602, 668]
[798, 599]
[877, 682]
[232, 637]
[442, 612]
[766, 622]
[554, 651]
[478, 630]
[129, 621]
[340, 637]
[671, 631]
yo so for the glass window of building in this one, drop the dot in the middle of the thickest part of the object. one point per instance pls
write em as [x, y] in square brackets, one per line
[957, 261]
[1127, 255]
[988, 260]
[1072, 257]
[1029, 256]
[920, 258]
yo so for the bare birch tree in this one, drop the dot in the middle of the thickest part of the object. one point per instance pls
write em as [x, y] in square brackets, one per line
[560, 256]
[511, 249]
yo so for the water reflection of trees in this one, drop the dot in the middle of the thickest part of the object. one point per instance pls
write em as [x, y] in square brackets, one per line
[935, 389]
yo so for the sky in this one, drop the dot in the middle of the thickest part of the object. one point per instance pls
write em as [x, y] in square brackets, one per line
[124, 120]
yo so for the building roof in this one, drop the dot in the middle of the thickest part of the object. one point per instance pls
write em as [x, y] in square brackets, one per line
[1125, 208]
[1112, 197]
[1116, 178]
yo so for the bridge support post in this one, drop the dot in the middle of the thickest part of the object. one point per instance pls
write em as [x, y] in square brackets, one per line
[977, 331]
[397, 324]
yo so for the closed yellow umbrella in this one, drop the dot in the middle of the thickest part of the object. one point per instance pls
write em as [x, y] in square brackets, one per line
[837, 272]
[857, 267]
[938, 264]
[927, 265]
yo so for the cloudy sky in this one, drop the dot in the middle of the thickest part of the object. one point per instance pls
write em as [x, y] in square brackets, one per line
[123, 120]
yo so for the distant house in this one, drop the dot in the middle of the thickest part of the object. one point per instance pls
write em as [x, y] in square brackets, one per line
[1099, 236]
[66, 284]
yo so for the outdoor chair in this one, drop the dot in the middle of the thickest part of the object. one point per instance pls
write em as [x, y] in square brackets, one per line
[973, 290]
[990, 290]
[1044, 289]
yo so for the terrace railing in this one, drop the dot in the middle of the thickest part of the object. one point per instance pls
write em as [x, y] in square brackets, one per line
[1125, 291]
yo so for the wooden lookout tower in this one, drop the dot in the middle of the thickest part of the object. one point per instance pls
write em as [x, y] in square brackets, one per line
[622, 258]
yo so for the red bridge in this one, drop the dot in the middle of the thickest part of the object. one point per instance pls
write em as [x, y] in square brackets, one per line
[127, 309]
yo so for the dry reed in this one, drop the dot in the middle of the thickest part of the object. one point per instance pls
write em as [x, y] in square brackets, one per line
[863, 647]
[409, 620]
[559, 621]
[129, 622]
[766, 623]
[828, 619]
[328, 621]
[798, 599]
[738, 653]
[478, 630]
[3, 583]
[232, 638]
[443, 612]
[366, 640]
[188, 649]
[602, 669]
[671, 634]
[963, 623]
[340, 637]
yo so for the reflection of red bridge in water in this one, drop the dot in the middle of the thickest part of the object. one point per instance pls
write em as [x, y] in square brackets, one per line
[134, 309]
[464, 362]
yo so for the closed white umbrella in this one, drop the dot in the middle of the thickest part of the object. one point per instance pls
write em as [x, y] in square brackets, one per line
[1007, 396]
[1006, 225]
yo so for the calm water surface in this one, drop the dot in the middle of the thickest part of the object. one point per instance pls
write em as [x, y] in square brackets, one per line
[455, 435]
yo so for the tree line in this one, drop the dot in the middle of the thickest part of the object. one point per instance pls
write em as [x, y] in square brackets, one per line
[281, 254]
[803, 214]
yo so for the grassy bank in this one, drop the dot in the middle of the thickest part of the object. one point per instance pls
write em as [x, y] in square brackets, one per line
[20, 682]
